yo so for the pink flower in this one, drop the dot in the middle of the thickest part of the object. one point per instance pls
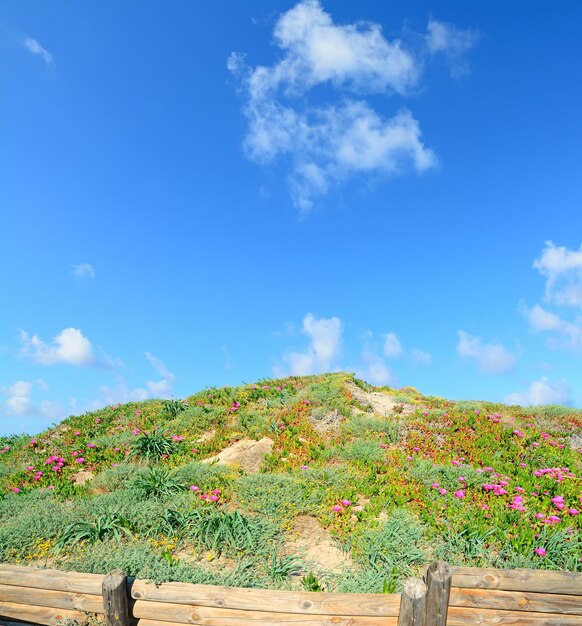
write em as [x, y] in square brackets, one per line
[195, 450]
[16, 490]
[74, 453]
[216, 491]
[573, 511]
[336, 509]
[137, 412]
[213, 497]
[194, 488]
[522, 465]
[303, 467]
[115, 449]
[540, 551]
[435, 485]
[345, 502]
[383, 446]
[77, 433]
[443, 491]
[459, 494]
[135, 431]
[80, 460]
[30, 468]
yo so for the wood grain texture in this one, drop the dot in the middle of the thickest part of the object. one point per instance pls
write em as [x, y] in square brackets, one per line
[412, 603]
[53, 599]
[115, 599]
[465, 617]
[541, 581]
[196, 614]
[438, 588]
[349, 604]
[516, 601]
[51, 579]
[278, 619]
[40, 615]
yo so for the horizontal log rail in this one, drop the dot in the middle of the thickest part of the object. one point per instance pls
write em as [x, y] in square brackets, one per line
[477, 596]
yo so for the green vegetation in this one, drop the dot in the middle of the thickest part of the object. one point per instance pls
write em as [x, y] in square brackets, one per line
[387, 489]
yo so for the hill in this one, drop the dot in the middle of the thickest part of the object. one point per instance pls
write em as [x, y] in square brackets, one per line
[319, 481]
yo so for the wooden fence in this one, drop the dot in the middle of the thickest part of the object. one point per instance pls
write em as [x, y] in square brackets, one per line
[445, 595]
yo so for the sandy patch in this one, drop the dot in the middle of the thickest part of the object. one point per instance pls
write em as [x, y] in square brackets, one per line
[246, 453]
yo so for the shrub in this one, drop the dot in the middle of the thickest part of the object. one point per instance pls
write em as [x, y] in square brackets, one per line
[153, 446]
[158, 482]
[103, 527]
[233, 533]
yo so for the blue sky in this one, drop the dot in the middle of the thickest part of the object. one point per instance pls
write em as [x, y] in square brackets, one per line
[198, 194]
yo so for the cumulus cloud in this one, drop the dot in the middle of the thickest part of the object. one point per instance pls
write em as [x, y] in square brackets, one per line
[326, 143]
[375, 370]
[542, 392]
[564, 334]
[453, 43]
[392, 347]
[562, 269]
[323, 351]
[19, 401]
[69, 346]
[84, 270]
[35, 48]
[490, 358]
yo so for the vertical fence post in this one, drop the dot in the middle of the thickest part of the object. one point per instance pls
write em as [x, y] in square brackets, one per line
[412, 601]
[115, 599]
[438, 589]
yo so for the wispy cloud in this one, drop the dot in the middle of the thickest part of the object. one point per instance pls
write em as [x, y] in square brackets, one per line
[392, 347]
[161, 387]
[490, 358]
[70, 346]
[34, 47]
[327, 143]
[542, 391]
[84, 270]
[323, 351]
[451, 42]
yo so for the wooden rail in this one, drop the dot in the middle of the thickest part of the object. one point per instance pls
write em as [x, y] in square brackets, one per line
[451, 596]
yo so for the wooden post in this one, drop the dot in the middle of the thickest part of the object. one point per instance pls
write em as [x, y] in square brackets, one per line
[438, 589]
[412, 601]
[115, 599]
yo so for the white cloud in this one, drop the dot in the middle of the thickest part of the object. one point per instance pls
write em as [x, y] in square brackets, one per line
[34, 47]
[392, 346]
[375, 369]
[69, 346]
[120, 394]
[542, 392]
[453, 43]
[491, 358]
[421, 357]
[84, 270]
[162, 387]
[323, 351]
[325, 144]
[160, 367]
[562, 269]
[567, 335]
[20, 403]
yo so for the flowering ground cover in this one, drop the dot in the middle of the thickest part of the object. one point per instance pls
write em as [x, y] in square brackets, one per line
[474, 483]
